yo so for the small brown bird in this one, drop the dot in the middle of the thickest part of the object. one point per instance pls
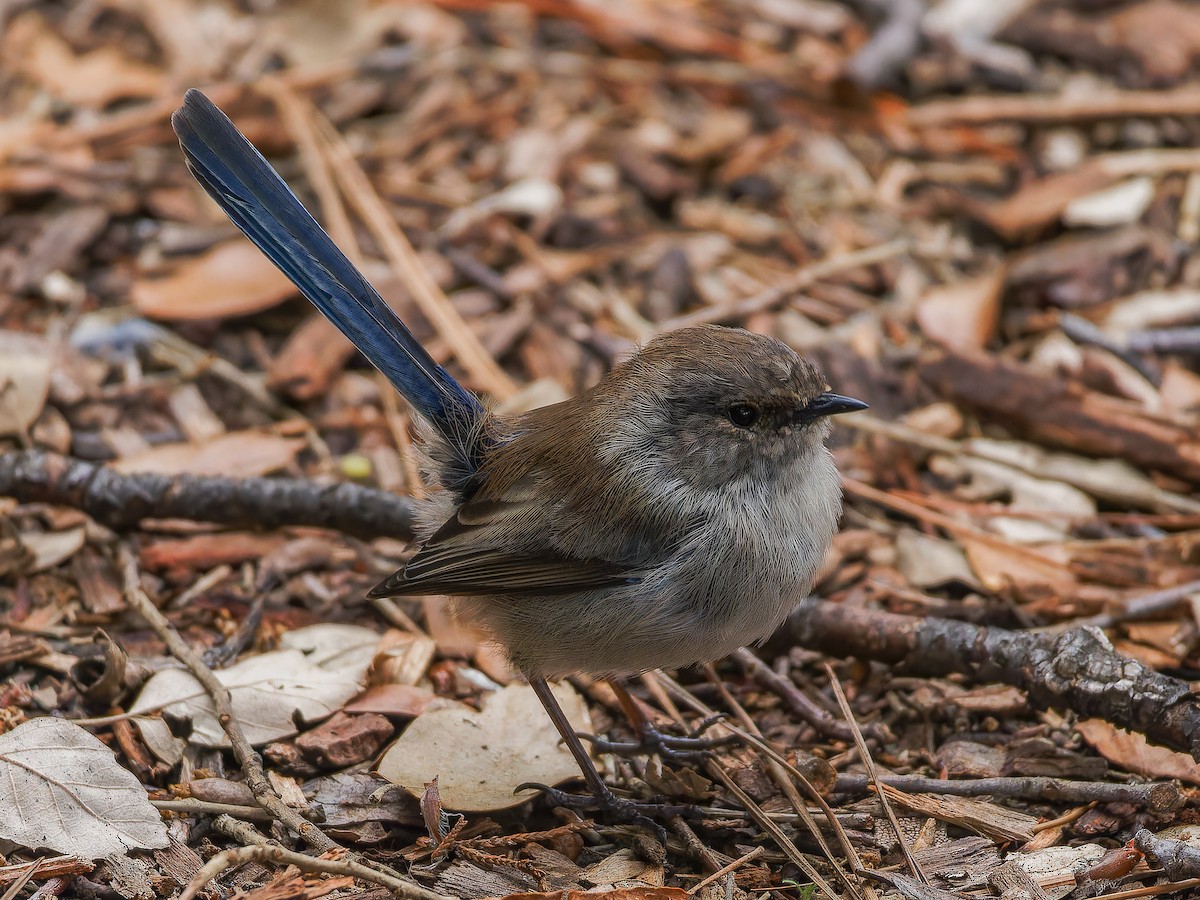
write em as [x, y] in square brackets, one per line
[674, 512]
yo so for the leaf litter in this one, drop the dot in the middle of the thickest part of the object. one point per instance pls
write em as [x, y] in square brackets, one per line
[994, 250]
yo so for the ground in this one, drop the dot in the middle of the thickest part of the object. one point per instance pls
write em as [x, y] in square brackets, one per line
[978, 218]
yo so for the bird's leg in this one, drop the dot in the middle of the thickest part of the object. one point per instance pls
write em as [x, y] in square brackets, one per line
[627, 810]
[594, 782]
[672, 748]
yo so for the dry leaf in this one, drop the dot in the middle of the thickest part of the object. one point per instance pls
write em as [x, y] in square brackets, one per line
[95, 78]
[271, 691]
[623, 867]
[479, 758]
[231, 279]
[1133, 753]
[24, 386]
[241, 454]
[1054, 868]
[1117, 205]
[333, 646]
[927, 561]
[1163, 35]
[49, 548]
[64, 790]
[962, 315]
[1000, 567]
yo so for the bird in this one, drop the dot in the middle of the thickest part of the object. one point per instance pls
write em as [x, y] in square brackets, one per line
[671, 513]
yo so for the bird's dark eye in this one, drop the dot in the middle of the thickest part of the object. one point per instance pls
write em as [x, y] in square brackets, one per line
[743, 415]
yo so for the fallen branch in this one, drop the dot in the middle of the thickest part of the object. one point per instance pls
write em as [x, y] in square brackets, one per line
[1076, 670]
[121, 501]
[1161, 798]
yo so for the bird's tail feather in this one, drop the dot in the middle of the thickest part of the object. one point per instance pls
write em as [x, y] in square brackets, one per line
[258, 201]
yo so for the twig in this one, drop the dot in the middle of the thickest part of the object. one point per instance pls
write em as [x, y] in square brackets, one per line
[120, 501]
[753, 739]
[357, 188]
[873, 772]
[228, 859]
[894, 43]
[52, 888]
[1161, 798]
[1033, 108]
[1134, 489]
[193, 807]
[922, 513]
[797, 701]
[247, 757]
[797, 281]
[725, 870]
[779, 774]
[1143, 606]
[1073, 815]
[777, 834]
[46, 867]
[21, 880]
[1151, 890]
[242, 832]
[1178, 859]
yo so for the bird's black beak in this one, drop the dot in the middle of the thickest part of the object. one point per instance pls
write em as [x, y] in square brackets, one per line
[831, 404]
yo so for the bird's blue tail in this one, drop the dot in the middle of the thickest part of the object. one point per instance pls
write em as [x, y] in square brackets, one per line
[258, 201]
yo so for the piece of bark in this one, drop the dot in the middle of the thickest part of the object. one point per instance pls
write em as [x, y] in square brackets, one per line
[1064, 414]
[345, 740]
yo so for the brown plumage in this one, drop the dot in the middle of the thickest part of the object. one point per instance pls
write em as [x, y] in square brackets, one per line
[671, 514]
[636, 525]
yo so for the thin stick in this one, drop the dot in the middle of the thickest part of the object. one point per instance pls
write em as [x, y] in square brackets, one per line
[228, 859]
[190, 806]
[247, 756]
[717, 771]
[725, 870]
[488, 376]
[865, 752]
[1151, 890]
[780, 774]
[798, 280]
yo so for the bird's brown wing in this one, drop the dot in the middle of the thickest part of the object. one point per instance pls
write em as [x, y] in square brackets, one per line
[473, 554]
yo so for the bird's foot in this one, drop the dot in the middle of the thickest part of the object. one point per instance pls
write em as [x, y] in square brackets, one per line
[674, 749]
[624, 810]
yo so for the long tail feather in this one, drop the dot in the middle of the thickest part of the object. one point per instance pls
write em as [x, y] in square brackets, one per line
[258, 201]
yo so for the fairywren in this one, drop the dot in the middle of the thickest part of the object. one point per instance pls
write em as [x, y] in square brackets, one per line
[672, 513]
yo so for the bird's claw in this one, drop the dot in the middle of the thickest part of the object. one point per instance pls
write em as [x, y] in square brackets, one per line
[670, 748]
[630, 812]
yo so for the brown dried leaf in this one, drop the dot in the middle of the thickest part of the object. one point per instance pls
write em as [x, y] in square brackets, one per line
[963, 315]
[95, 78]
[1133, 753]
[1163, 35]
[480, 757]
[241, 454]
[231, 279]
[49, 548]
[1000, 567]
[24, 386]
